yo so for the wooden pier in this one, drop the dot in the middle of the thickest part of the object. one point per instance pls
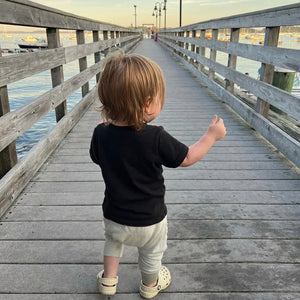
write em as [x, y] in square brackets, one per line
[234, 217]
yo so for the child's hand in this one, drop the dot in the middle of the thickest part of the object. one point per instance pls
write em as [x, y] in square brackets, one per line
[216, 129]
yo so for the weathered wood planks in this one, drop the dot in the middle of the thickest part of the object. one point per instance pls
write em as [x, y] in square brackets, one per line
[233, 218]
[17, 67]
[284, 15]
[179, 42]
[281, 57]
[14, 176]
[286, 144]
[28, 13]
[275, 96]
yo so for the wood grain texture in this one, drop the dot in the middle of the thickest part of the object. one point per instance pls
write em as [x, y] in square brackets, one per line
[284, 15]
[286, 144]
[28, 13]
[233, 217]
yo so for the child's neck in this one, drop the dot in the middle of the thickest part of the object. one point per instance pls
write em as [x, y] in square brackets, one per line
[119, 123]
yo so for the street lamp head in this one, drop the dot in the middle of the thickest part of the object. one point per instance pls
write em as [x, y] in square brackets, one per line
[153, 14]
[155, 7]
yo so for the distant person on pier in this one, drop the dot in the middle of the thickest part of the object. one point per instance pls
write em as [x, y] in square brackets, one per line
[131, 154]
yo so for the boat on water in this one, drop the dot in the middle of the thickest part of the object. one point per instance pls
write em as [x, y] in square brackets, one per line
[224, 39]
[33, 43]
[243, 35]
[254, 37]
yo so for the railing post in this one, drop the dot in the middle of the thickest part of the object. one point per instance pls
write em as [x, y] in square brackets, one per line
[97, 54]
[176, 43]
[181, 44]
[82, 61]
[267, 71]
[213, 54]
[193, 47]
[105, 37]
[57, 73]
[234, 38]
[118, 37]
[8, 156]
[202, 49]
[186, 46]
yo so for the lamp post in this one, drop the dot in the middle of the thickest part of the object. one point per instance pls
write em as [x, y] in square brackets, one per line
[165, 9]
[135, 15]
[180, 12]
[155, 15]
[159, 4]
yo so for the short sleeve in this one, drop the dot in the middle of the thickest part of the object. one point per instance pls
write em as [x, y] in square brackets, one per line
[93, 147]
[171, 151]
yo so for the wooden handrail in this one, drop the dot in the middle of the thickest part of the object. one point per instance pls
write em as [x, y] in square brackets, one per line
[284, 15]
[16, 174]
[178, 41]
[282, 57]
[28, 13]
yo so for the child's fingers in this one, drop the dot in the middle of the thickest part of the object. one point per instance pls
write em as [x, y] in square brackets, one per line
[221, 121]
[215, 119]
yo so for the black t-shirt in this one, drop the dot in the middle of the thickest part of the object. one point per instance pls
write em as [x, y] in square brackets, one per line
[131, 164]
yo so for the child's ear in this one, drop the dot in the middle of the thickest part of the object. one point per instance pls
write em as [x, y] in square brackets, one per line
[148, 103]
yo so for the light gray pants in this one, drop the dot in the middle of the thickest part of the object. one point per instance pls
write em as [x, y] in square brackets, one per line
[151, 242]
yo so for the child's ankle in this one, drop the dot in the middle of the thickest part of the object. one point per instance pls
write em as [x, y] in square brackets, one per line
[151, 285]
[107, 277]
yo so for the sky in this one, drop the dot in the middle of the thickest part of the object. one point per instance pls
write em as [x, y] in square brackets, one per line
[121, 12]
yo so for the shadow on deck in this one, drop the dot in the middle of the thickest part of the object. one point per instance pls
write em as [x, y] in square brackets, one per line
[234, 224]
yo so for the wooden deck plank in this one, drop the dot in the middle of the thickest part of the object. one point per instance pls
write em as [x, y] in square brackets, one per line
[209, 157]
[216, 150]
[175, 185]
[188, 229]
[91, 252]
[237, 197]
[175, 212]
[234, 226]
[162, 296]
[181, 174]
[211, 165]
[80, 278]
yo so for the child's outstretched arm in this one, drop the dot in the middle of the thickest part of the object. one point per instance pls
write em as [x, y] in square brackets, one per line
[215, 132]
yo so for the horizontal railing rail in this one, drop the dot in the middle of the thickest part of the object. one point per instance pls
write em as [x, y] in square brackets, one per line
[18, 67]
[16, 174]
[190, 43]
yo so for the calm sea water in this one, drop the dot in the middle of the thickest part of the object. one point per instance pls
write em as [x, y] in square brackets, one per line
[28, 89]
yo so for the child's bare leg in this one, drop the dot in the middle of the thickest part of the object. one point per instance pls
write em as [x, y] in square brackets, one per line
[111, 265]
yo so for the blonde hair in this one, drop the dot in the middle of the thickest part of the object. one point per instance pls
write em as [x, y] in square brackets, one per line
[127, 83]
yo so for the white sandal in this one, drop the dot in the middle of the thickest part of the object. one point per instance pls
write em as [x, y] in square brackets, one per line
[164, 280]
[102, 282]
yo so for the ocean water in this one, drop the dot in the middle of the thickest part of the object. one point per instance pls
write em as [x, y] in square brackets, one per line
[28, 89]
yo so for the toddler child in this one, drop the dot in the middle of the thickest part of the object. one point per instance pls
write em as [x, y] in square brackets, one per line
[131, 153]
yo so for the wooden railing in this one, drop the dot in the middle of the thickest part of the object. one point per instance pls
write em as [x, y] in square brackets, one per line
[16, 174]
[189, 44]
